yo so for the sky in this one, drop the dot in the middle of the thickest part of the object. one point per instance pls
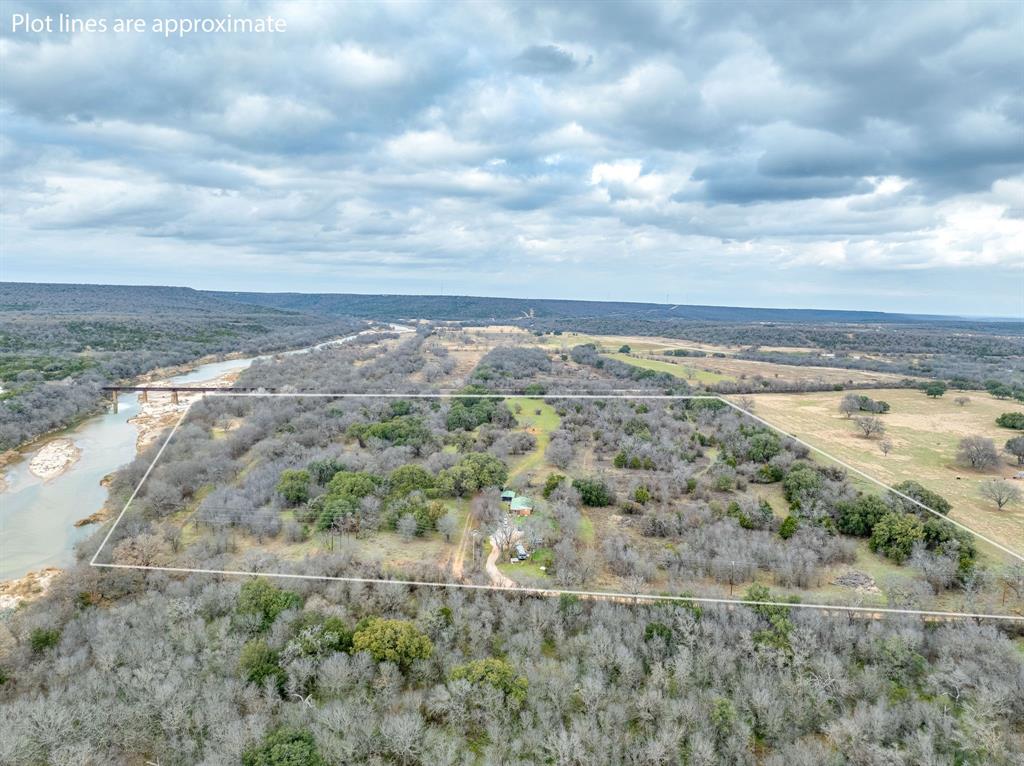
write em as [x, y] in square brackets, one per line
[811, 155]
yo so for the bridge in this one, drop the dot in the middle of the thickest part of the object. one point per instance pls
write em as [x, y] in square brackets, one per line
[174, 391]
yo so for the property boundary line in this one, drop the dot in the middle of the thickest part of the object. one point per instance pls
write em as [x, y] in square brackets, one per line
[549, 592]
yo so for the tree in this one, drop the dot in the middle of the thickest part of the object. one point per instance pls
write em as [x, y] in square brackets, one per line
[285, 747]
[926, 497]
[886, 446]
[396, 641]
[265, 601]
[935, 389]
[259, 662]
[849, 405]
[495, 672]
[407, 526]
[1013, 420]
[1000, 492]
[962, 401]
[977, 452]
[448, 525]
[624, 349]
[858, 517]
[1015, 447]
[293, 486]
[894, 536]
[870, 426]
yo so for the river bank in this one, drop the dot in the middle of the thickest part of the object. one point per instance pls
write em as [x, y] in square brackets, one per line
[33, 585]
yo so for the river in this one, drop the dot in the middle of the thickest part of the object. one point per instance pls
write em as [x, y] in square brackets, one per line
[37, 517]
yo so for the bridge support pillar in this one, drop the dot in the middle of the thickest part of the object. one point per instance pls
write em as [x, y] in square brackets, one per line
[174, 397]
[144, 397]
[113, 400]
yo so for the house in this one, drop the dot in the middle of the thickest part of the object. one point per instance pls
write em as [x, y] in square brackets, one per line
[521, 505]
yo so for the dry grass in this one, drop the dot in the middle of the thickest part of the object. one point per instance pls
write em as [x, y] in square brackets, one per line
[925, 433]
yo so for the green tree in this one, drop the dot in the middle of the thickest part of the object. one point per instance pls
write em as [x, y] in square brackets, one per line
[922, 495]
[260, 598]
[396, 641]
[935, 389]
[641, 494]
[496, 672]
[801, 481]
[284, 747]
[858, 517]
[894, 536]
[1013, 420]
[624, 349]
[763, 447]
[293, 486]
[471, 474]
[409, 478]
[258, 662]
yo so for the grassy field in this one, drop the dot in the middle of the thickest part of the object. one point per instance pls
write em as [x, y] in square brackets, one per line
[685, 371]
[539, 425]
[925, 433]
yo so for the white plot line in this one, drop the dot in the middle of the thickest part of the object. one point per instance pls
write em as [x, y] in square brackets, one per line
[595, 594]
[608, 595]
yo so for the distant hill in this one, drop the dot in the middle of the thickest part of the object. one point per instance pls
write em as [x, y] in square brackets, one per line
[118, 300]
[476, 308]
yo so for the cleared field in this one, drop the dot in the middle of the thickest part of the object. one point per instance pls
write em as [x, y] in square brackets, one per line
[747, 369]
[685, 371]
[636, 343]
[539, 419]
[925, 433]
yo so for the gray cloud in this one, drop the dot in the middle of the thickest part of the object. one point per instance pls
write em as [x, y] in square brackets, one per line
[570, 150]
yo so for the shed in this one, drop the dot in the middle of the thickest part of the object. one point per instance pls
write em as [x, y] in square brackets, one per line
[507, 496]
[521, 505]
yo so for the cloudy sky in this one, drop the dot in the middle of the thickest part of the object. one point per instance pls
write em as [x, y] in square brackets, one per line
[861, 155]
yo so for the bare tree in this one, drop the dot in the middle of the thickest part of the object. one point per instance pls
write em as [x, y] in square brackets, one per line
[504, 536]
[448, 524]
[977, 452]
[870, 426]
[962, 401]
[1000, 492]
[886, 446]
[849, 405]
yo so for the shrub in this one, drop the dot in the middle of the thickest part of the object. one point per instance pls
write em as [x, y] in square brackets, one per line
[594, 493]
[285, 747]
[1013, 420]
[789, 527]
[551, 484]
[42, 639]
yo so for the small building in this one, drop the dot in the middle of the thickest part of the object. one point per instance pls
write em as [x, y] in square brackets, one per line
[521, 505]
[507, 495]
